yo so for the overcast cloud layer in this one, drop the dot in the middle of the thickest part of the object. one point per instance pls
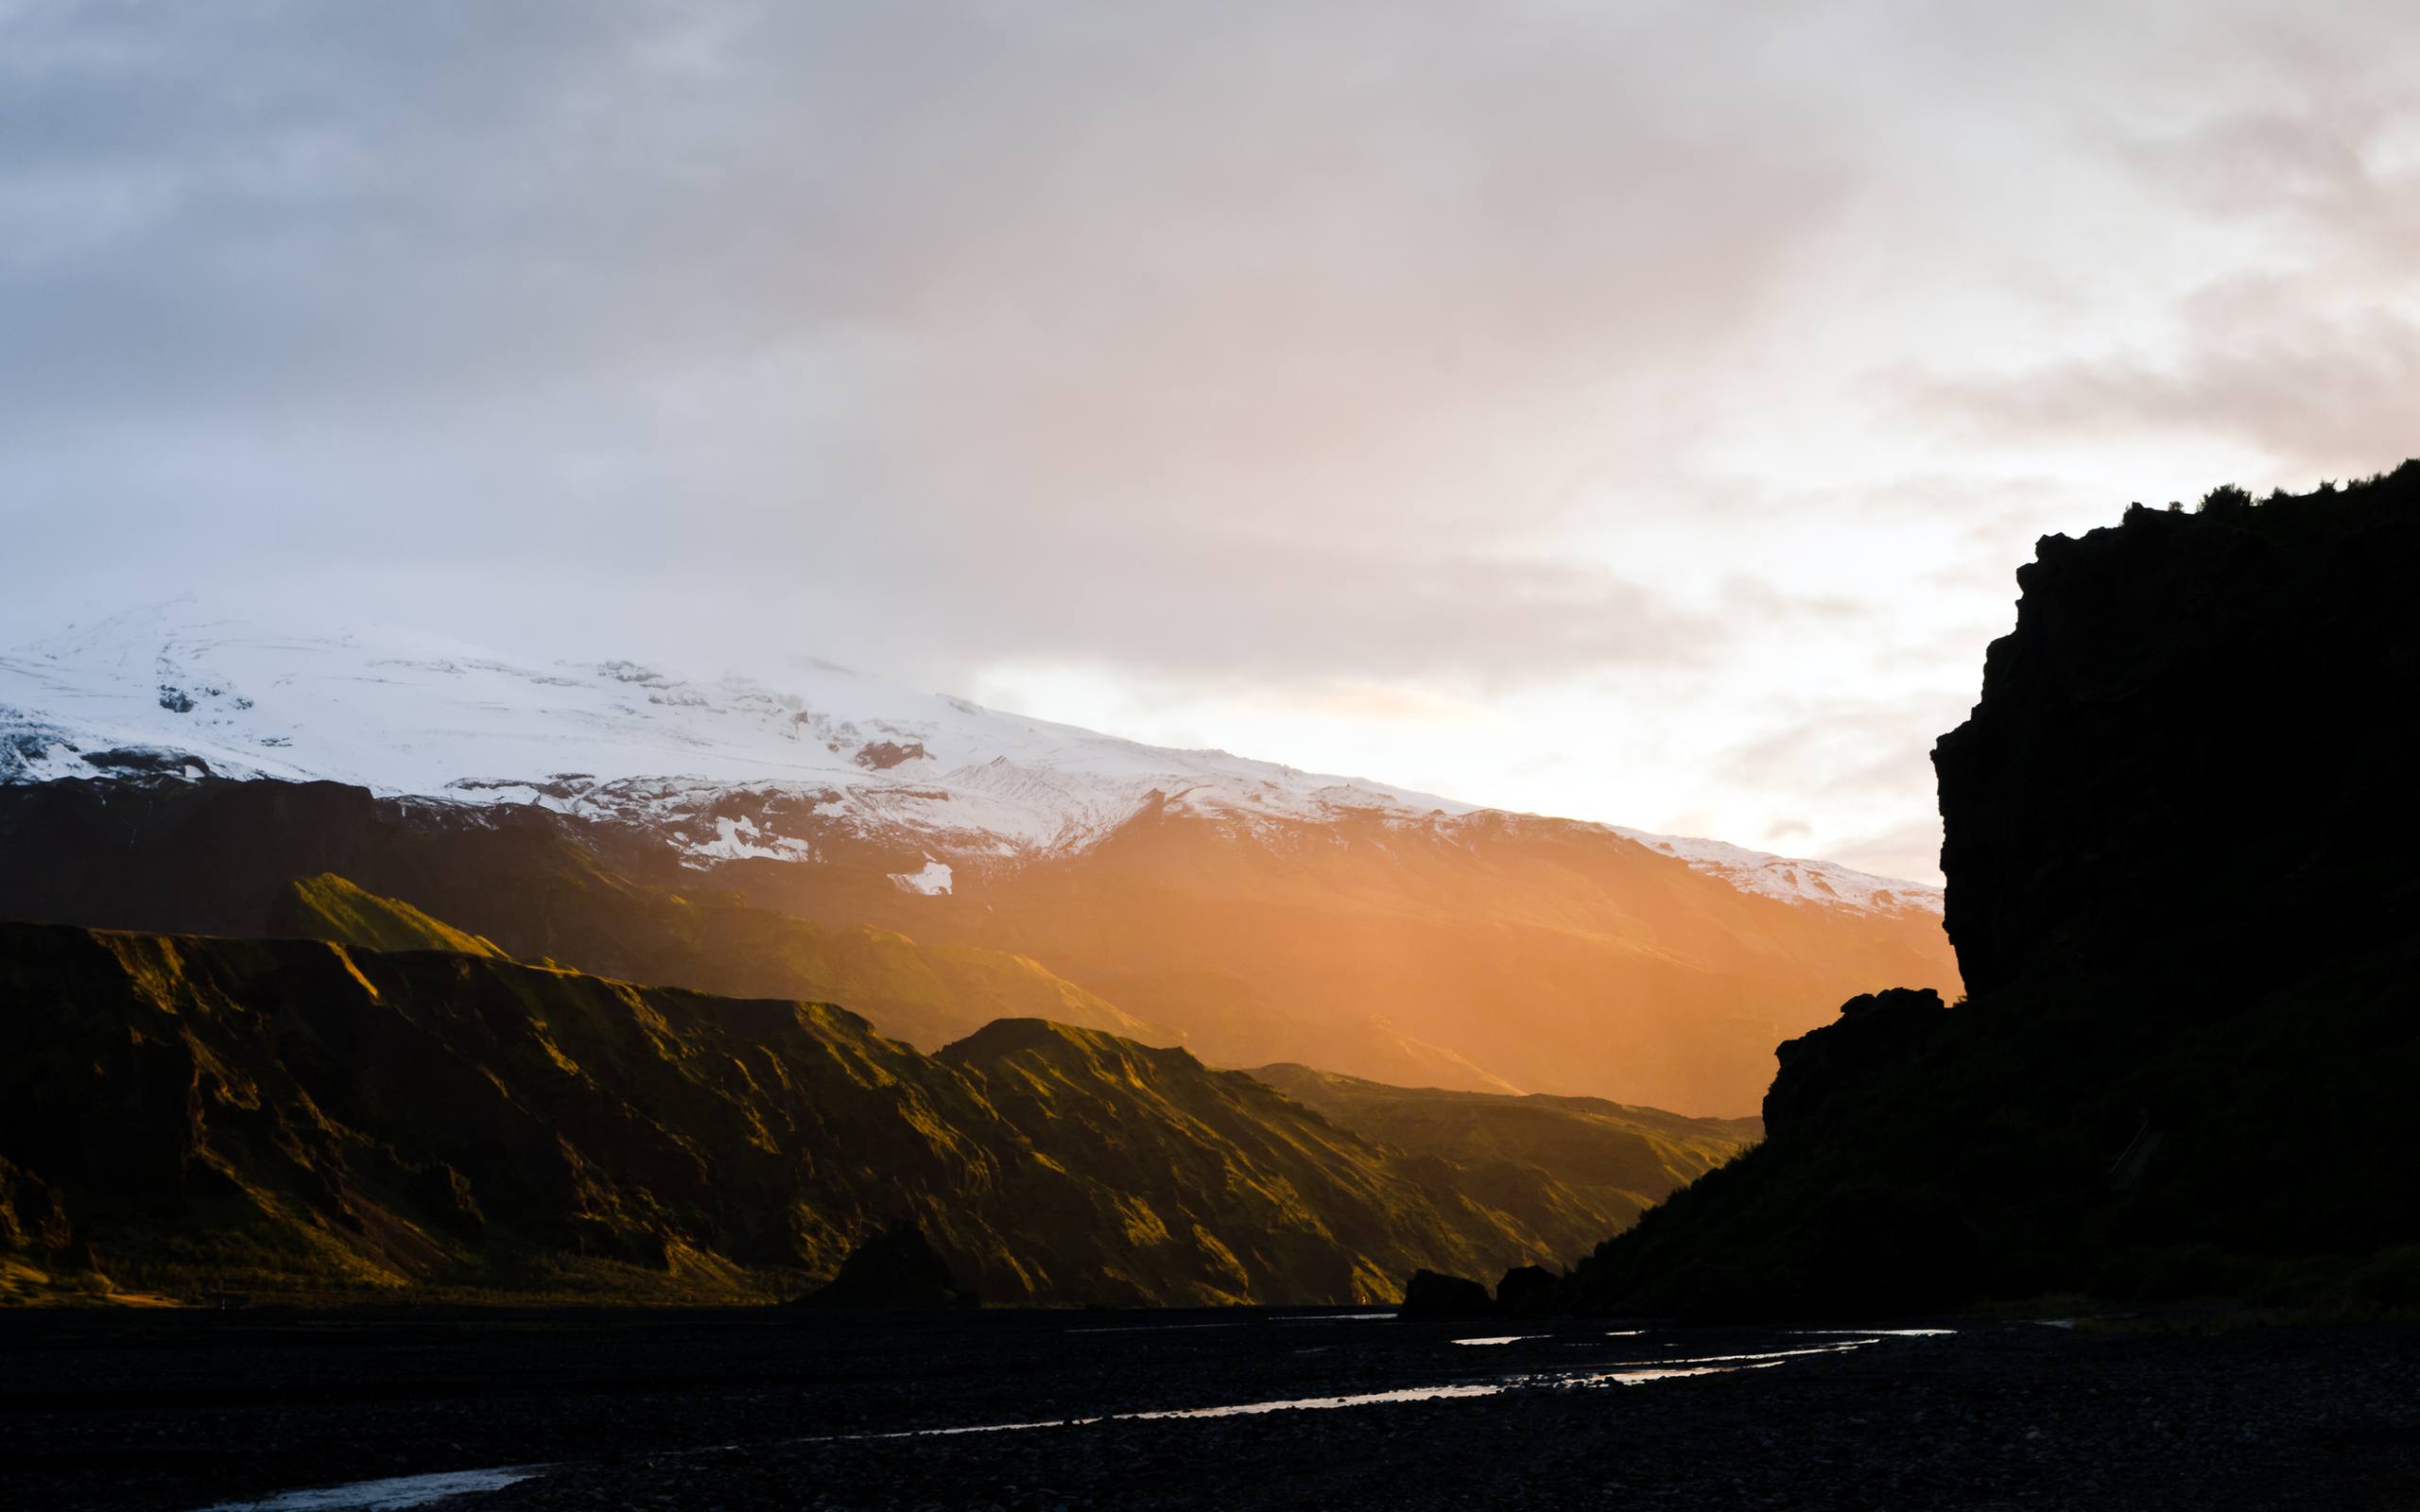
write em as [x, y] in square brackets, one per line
[1630, 412]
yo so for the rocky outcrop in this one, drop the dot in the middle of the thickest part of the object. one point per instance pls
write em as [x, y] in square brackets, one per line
[1875, 1034]
[2200, 731]
[31, 1217]
[896, 1267]
[882, 755]
[1529, 1289]
[2179, 830]
[1430, 1294]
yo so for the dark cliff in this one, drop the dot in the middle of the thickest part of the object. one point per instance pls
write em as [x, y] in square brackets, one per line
[2202, 730]
[2179, 830]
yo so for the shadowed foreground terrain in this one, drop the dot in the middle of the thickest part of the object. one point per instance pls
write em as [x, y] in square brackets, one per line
[755, 1409]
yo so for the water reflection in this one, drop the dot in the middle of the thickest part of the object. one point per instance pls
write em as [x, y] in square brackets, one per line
[394, 1494]
[1878, 1333]
[1619, 1373]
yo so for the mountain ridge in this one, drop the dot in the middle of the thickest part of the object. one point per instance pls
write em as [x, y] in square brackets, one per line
[1515, 954]
[310, 1120]
[724, 771]
[1252, 912]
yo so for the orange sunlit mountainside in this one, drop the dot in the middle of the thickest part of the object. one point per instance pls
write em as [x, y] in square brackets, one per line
[1495, 952]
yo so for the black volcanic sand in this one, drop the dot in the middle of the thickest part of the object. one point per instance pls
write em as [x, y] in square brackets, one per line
[709, 1410]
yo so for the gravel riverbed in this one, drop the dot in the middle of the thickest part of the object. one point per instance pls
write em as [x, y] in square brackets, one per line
[172, 1412]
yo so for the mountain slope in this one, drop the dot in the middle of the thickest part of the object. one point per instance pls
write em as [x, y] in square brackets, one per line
[1253, 911]
[1488, 952]
[2179, 825]
[826, 758]
[331, 909]
[1575, 1169]
[1503, 953]
[227, 858]
[298, 1118]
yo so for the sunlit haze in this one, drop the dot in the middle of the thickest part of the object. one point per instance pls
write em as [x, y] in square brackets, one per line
[1621, 412]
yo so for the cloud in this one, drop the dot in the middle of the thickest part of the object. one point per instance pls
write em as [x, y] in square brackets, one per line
[1342, 365]
[2297, 344]
[1852, 760]
[2308, 391]
[2326, 165]
[1912, 850]
[1117, 283]
[1407, 705]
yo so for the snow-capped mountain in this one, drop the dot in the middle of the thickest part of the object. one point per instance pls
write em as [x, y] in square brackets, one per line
[781, 768]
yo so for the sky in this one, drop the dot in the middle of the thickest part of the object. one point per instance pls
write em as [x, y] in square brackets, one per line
[1633, 413]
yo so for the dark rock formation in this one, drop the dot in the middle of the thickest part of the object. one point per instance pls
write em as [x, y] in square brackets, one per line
[1529, 1289]
[894, 1268]
[882, 755]
[1429, 1294]
[2202, 727]
[1875, 1034]
[2179, 837]
[31, 1219]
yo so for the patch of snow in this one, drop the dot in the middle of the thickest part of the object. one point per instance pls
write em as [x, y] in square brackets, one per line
[736, 839]
[933, 881]
[1789, 879]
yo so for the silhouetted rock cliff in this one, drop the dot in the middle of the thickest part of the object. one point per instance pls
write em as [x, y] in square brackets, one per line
[2179, 831]
[2203, 728]
[1875, 1034]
